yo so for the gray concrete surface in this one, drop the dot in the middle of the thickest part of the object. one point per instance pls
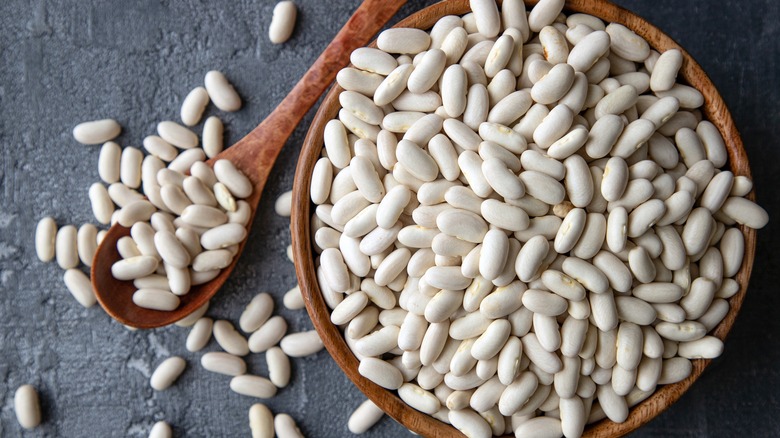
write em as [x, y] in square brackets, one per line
[63, 62]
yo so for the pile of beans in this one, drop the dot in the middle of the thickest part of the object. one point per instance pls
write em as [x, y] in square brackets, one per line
[184, 230]
[190, 239]
[524, 223]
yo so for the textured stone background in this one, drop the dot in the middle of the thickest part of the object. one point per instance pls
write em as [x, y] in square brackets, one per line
[63, 62]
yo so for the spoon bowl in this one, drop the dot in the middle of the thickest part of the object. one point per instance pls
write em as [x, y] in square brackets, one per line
[254, 155]
[714, 110]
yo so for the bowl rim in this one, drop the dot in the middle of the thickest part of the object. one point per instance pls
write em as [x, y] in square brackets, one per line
[714, 110]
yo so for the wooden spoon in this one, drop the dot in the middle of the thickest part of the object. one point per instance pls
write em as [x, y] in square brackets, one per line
[254, 155]
[714, 110]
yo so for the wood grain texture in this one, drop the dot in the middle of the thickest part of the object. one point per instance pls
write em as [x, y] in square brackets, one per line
[714, 110]
[254, 155]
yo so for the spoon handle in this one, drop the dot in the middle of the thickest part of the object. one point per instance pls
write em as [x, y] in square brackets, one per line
[268, 138]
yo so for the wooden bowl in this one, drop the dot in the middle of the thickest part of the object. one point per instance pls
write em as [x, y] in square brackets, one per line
[714, 109]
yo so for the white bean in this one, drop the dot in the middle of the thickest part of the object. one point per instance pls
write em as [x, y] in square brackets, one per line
[167, 372]
[223, 363]
[45, 235]
[221, 91]
[96, 132]
[27, 407]
[238, 184]
[282, 22]
[403, 40]
[213, 136]
[261, 421]
[66, 247]
[301, 344]
[253, 386]
[80, 287]
[156, 299]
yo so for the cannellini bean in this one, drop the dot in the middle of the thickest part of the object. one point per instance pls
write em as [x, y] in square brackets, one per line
[221, 91]
[402, 40]
[161, 429]
[301, 344]
[253, 386]
[283, 22]
[45, 237]
[96, 132]
[156, 299]
[364, 417]
[109, 162]
[261, 421]
[544, 13]
[80, 287]
[167, 372]
[27, 407]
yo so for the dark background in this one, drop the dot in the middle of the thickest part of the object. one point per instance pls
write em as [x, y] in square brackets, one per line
[63, 62]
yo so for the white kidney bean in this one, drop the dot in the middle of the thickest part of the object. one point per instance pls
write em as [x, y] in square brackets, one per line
[419, 398]
[229, 339]
[96, 132]
[427, 72]
[155, 299]
[365, 416]
[221, 92]
[510, 108]
[80, 287]
[544, 13]
[109, 162]
[135, 211]
[665, 70]
[588, 275]
[282, 22]
[363, 82]
[301, 344]
[712, 142]
[223, 363]
[213, 140]
[171, 249]
[403, 40]
[689, 97]
[373, 60]
[453, 90]
[285, 427]
[261, 421]
[253, 386]
[553, 126]
[268, 335]
[177, 135]
[167, 372]
[199, 335]
[745, 212]
[508, 139]
[238, 184]
[161, 429]
[66, 247]
[193, 106]
[27, 407]
[87, 243]
[45, 236]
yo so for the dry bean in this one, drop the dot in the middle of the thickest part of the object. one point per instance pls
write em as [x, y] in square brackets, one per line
[167, 372]
[282, 22]
[27, 407]
[301, 344]
[221, 91]
[45, 236]
[96, 132]
[213, 137]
